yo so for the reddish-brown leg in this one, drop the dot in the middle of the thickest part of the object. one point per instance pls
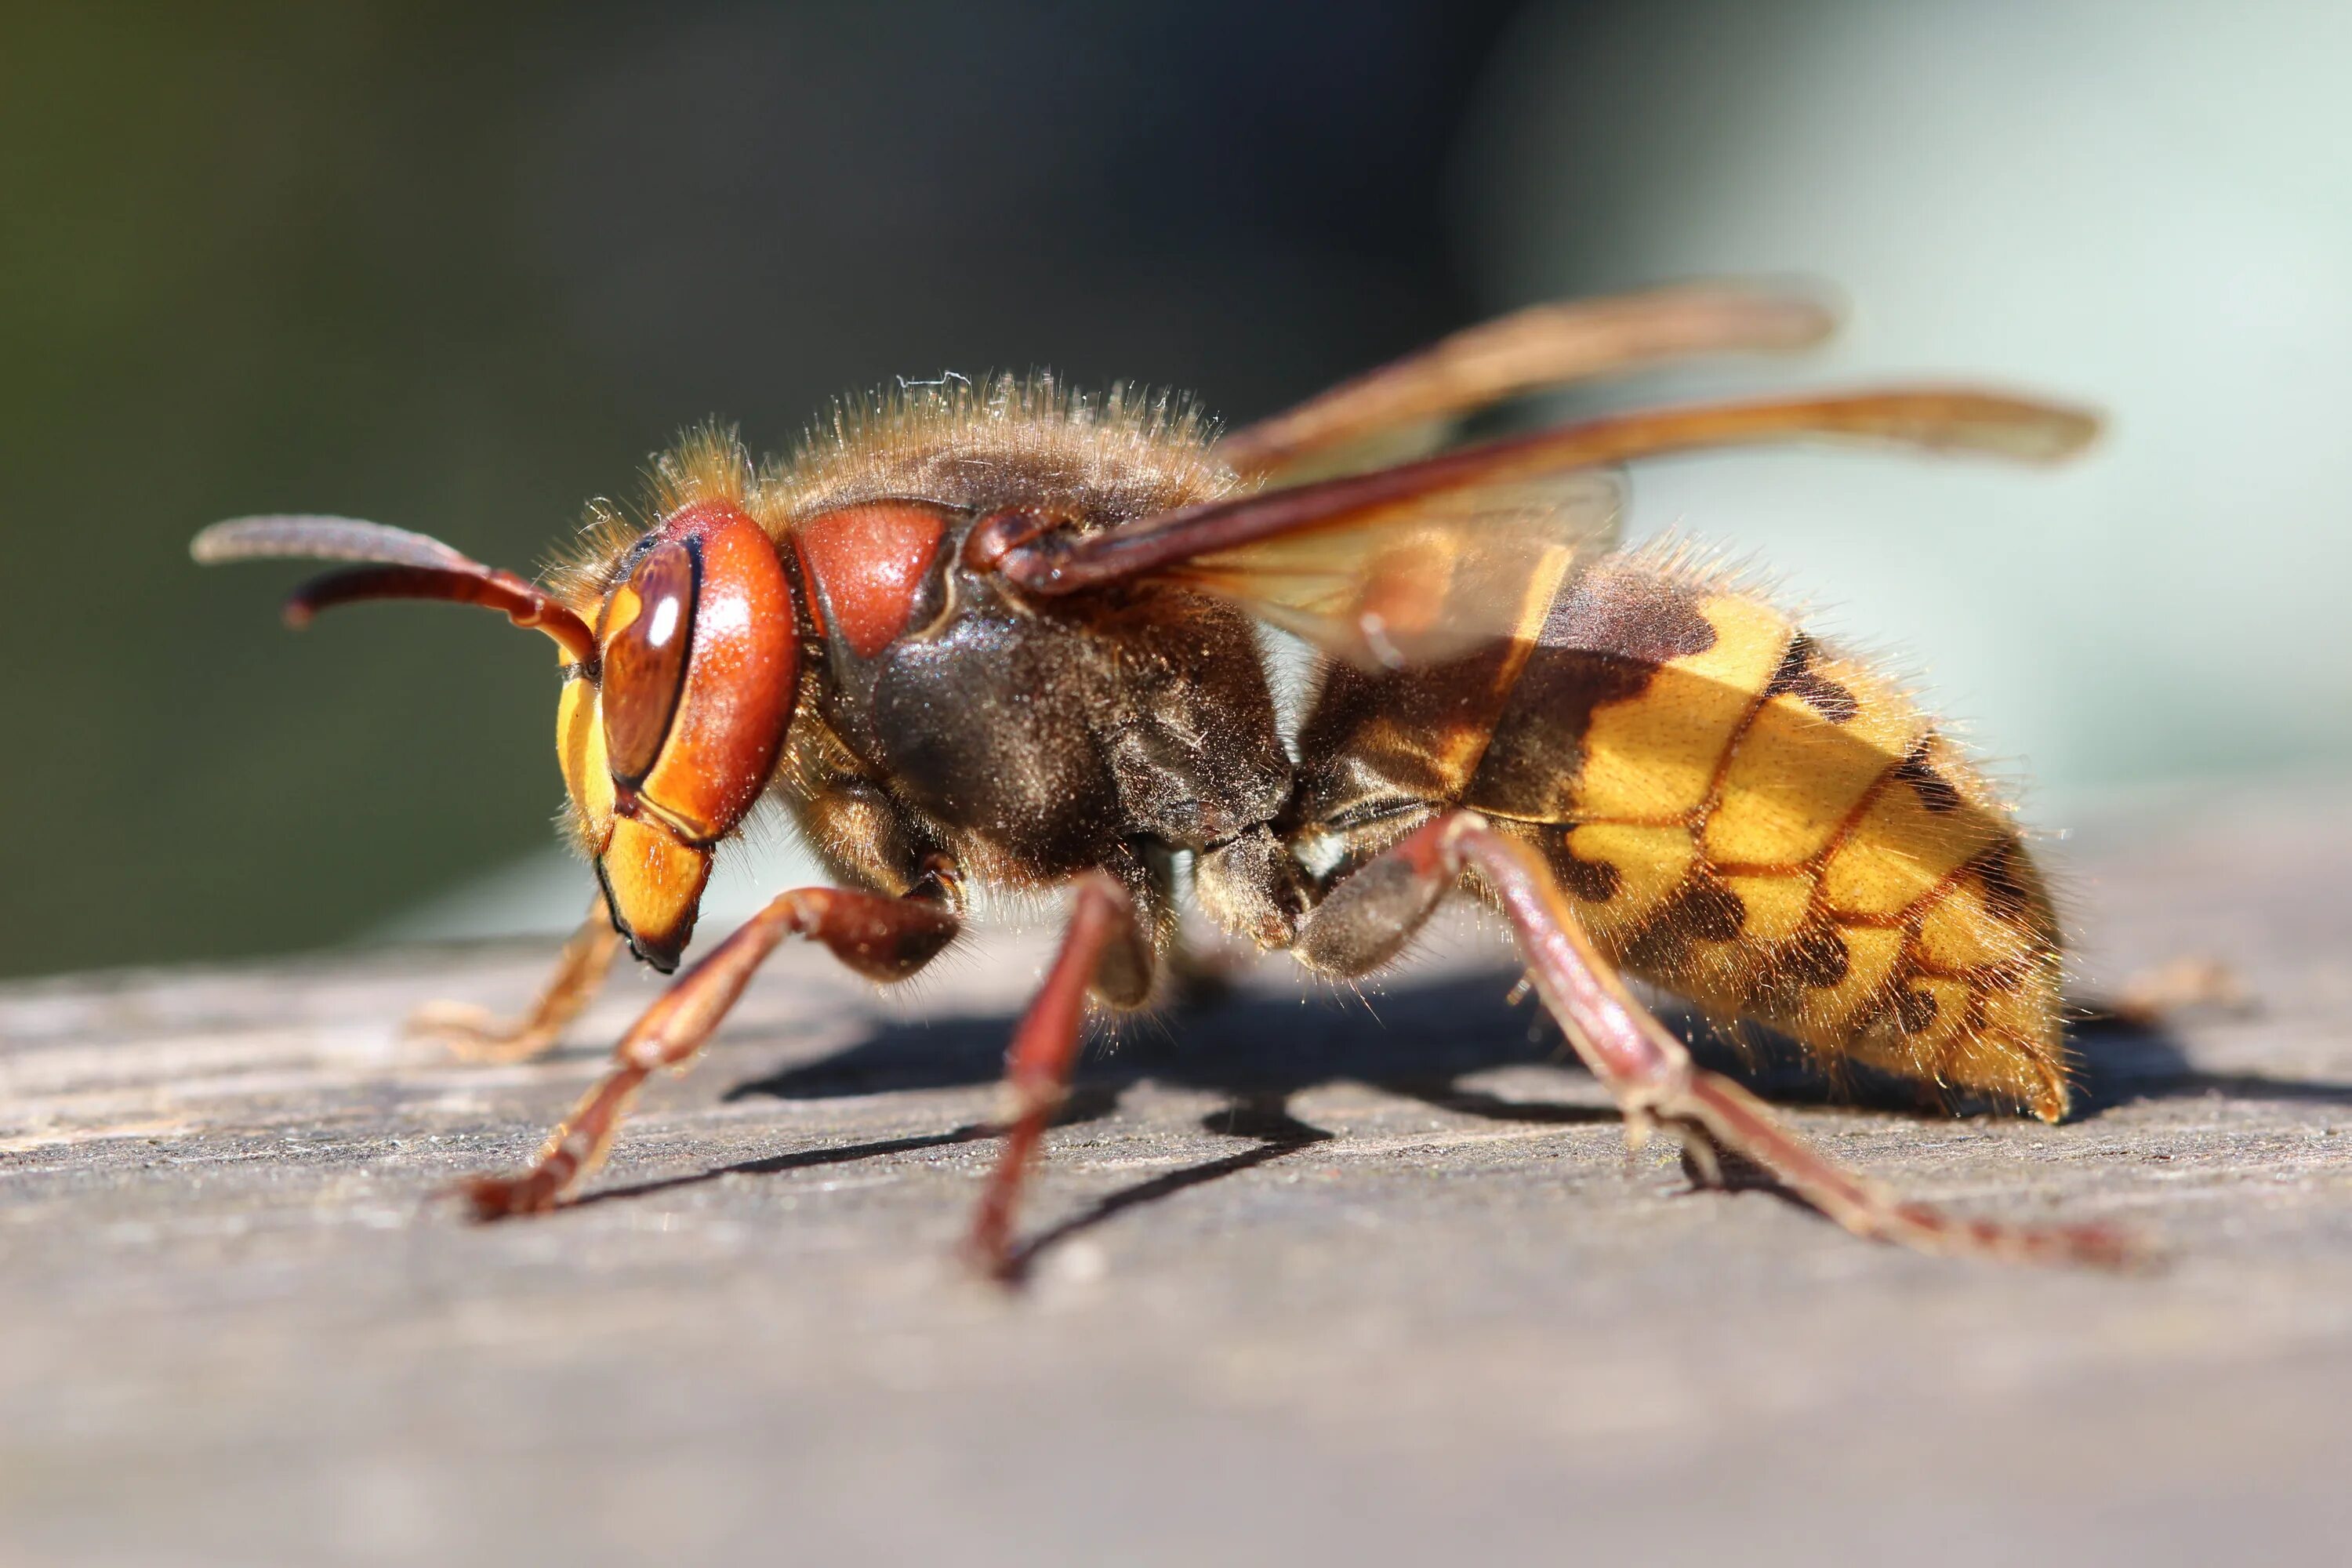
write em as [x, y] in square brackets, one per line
[879, 936]
[478, 1035]
[1643, 1065]
[1044, 1049]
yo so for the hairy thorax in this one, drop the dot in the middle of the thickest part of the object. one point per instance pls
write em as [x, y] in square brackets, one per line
[1024, 742]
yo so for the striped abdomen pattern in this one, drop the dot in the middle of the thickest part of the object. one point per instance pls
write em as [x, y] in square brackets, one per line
[1776, 831]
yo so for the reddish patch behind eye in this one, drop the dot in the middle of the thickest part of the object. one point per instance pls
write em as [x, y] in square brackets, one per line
[866, 564]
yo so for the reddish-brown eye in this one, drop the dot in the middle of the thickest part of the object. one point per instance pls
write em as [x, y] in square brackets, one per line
[648, 624]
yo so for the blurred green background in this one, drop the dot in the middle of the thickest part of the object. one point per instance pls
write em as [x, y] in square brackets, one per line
[459, 269]
[462, 267]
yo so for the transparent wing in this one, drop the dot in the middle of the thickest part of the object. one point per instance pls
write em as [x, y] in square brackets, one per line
[1407, 407]
[1423, 580]
[1428, 549]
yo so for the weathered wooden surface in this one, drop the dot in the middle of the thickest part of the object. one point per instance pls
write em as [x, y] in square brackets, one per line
[1317, 1283]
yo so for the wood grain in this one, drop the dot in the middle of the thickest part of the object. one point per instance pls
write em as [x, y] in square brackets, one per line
[1322, 1277]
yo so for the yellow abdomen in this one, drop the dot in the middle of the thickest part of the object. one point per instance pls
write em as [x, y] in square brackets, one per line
[1776, 831]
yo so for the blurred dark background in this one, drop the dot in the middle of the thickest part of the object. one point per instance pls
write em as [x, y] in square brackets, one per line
[460, 268]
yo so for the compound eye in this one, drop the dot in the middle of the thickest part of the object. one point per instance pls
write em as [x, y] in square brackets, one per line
[648, 626]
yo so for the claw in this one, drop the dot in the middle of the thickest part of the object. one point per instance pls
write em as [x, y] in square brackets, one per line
[993, 1256]
[503, 1197]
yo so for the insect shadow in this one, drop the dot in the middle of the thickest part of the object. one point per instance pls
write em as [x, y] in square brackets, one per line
[1254, 1051]
[2126, 1060]
[1422, 1042]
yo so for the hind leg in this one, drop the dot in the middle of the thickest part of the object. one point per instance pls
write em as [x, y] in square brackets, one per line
[1368, 916]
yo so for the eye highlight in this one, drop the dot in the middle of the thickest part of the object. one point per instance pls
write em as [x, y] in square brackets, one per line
[647, 630]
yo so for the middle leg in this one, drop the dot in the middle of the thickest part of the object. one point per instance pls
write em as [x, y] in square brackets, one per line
[1105, 950]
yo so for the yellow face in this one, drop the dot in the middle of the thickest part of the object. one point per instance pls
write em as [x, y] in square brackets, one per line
[669, 735]
[580, 747]
[653, 879]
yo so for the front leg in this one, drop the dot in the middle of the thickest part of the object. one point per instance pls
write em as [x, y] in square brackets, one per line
[1370, 915]
[478, 1035]
[881, 937]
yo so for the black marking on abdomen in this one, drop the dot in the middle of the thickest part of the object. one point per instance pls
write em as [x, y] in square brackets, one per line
[1936, 792]
[1590, 881]
[1797, 677]
[1701, 909]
